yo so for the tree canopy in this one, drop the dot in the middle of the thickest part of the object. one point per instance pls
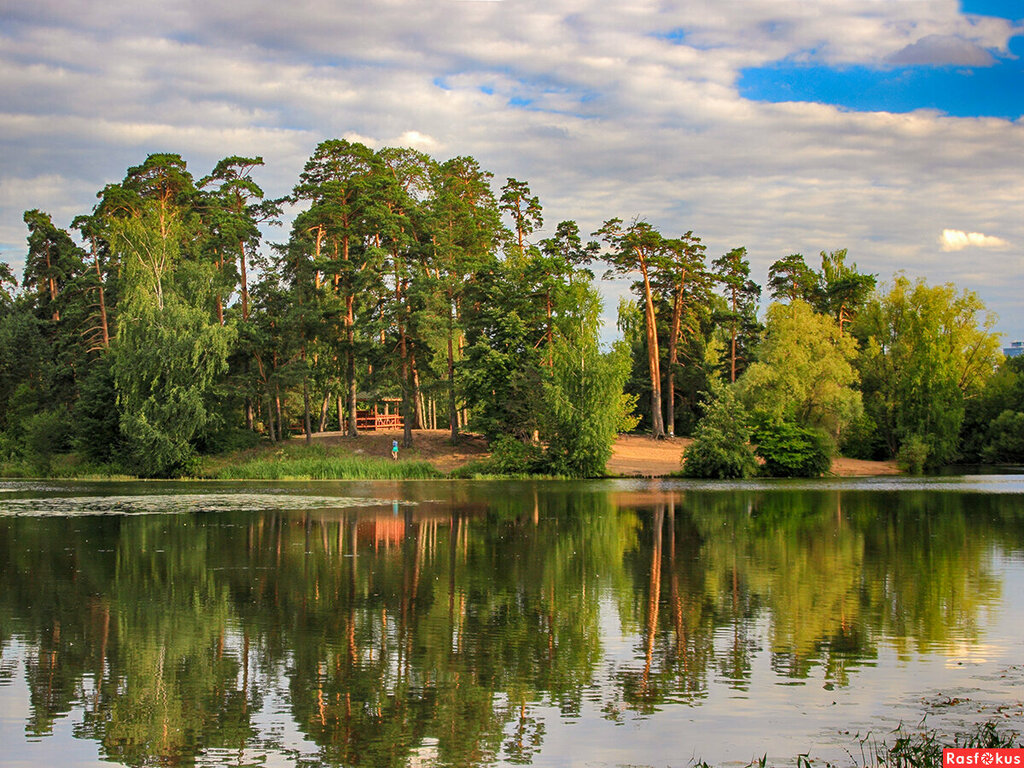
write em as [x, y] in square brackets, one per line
[163, 324]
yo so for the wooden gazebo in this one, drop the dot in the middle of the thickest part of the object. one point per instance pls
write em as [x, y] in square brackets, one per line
[372, 419]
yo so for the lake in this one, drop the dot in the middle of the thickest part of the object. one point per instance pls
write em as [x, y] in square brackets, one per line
[461, 623]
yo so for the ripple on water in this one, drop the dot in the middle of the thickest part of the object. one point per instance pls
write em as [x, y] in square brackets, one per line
[180, 504]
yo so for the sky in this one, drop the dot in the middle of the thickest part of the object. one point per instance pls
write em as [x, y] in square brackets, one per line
[892, 128]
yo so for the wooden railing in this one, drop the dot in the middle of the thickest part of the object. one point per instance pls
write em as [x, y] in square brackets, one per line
[371, 422]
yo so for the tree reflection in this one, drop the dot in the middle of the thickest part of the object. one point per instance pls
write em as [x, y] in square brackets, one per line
[823, 577]
[445, 630]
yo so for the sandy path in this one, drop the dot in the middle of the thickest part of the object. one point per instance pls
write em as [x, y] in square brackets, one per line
[635, 455]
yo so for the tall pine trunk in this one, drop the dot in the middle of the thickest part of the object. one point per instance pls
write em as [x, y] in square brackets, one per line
[350, 373]
[452, 415]
[653, 361]
[307, 423]
[417, 395]
[322, 425]
[673, 356]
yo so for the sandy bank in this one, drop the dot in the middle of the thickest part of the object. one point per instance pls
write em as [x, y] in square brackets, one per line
[641, 456]
[632, 455]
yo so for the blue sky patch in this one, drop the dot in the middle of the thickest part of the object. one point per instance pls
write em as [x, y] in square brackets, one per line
[995, 91]
[1004, 9]
[680, 36]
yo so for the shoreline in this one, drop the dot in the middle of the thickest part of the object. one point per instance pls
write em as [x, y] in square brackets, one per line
[632, 456]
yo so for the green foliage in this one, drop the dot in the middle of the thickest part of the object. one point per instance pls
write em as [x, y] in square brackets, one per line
[23, 366]
[8, 286]
[169, 354]
[166, 363]
[805, 371]
[926, 349]
[628, 417]
[510, 456]
[721, 447]
[52, 263]
[97, 420]
[10, 450]
[789, 450]
[861, 440]
[503, 371]
[732, 270]
[913, 455]
[790, 278]
[24, 401]
[584, 395]
[398, 279]
[1003, 392]
[843, 290]
[46, 433]
[229, 438]
[1005, 439]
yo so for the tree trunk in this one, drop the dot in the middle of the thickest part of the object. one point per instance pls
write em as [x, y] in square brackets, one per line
[407, 391]
[653, 361]
[407, 406]
[732, 355]
[732, 352]
[245, 282]
[52, 284]
[306, 422]
[551, 334]
[417, 395]
[280, 421]
[341, 415]
[270, 419]
[103, 302]
[353, 394]
[452, 415]
[350, 320]
[220, 300]
[323, 413]
[673, 356]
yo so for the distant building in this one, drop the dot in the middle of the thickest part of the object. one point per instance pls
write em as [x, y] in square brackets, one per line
[1016, 349]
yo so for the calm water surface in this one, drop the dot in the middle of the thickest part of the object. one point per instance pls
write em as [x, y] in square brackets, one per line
[474, 623]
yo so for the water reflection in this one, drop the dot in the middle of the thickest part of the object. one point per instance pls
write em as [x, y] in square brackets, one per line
[439, 632]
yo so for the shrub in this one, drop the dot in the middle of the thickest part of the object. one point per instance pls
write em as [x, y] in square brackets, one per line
[510, 456]
[913, 455]
[861, 440]
[1006, 439]
[228, 439]
[46, 433]
[721, 442]
[789, 450]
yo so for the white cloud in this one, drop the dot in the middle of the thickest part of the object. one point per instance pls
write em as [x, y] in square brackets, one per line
[606, 113]
[957, 240]
[943, 50]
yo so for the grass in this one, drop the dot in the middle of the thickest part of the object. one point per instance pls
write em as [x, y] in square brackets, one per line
[913, 749]
[924, 749]
[314, 463]
[286, 462]
[66, 466]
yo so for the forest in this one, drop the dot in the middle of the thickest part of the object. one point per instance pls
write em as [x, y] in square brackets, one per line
[161, 327]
